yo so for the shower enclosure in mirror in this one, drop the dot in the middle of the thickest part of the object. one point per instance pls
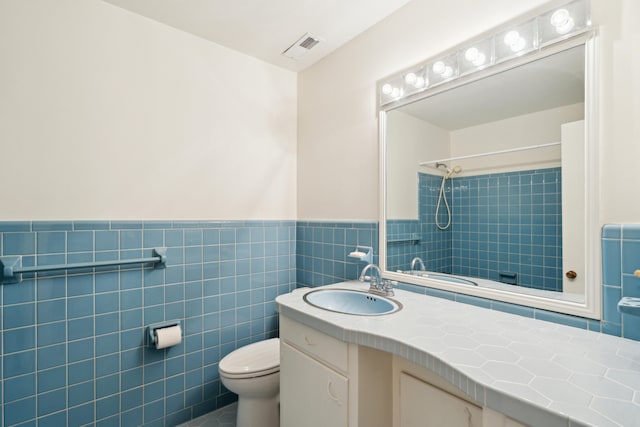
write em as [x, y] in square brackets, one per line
[488, 179]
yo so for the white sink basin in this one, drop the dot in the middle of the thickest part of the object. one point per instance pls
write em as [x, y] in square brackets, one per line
[351, 302]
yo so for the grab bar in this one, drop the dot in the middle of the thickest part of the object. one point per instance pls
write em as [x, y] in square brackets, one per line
[12, 270]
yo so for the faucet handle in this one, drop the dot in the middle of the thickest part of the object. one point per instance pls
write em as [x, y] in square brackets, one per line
[388, 286]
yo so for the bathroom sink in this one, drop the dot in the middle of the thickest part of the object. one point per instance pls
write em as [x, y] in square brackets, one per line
[347, 301]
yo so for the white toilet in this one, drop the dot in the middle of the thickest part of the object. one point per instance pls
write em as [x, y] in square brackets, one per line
[253, 373]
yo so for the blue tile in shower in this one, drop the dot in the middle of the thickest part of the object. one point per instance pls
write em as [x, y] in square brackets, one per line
[80, 372]
[80, 328]
[81, 415]
[80, 350]
[19, 387]
[81, 393]
[51, 379]
[19, 411]
[19, 363]
[52, 333]
[19, 339]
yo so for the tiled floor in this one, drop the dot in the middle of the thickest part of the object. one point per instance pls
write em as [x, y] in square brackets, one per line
[223, 417]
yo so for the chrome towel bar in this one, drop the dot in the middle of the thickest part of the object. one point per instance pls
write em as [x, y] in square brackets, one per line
[11, 266]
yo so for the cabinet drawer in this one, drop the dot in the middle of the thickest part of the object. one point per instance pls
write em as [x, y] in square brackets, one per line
[321, 346]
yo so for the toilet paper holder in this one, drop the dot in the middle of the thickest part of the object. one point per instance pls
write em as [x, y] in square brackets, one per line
[151, 330]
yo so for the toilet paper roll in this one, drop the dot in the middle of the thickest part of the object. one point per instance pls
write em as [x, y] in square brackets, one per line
[167, 337]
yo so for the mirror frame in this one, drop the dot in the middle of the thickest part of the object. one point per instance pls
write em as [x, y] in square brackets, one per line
[591, 307]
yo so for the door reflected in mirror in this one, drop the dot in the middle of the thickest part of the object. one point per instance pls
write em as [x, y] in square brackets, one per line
[485, 183]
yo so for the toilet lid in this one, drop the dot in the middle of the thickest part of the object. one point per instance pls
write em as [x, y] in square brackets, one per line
[253, 360]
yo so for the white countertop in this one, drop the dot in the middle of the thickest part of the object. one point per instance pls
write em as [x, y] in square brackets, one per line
[537, 372]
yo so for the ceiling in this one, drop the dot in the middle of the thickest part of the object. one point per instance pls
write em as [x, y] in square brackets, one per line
[550, 82]
[265, 28]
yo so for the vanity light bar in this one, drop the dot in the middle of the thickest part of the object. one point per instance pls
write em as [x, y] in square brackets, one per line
[508, 41]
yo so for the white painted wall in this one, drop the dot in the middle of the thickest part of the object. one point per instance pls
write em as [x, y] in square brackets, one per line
[105, 114]
[337, 135]
[414, 141]
[541, 127]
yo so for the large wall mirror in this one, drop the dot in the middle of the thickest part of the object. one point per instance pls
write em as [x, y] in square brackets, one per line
[489, 187]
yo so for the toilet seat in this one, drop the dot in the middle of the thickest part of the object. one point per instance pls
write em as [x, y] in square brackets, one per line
[253, 360]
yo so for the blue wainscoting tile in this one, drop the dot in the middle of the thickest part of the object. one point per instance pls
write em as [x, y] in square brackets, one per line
[91, 225]
[631, 232]
[563, 319]
[630, 256]
[611, 262]
[18, 243]
[612, 231]
[126, 225]
[106, 240]
[52, 226]
[611, 296]
[14, 226]
[630, 286]
[80, 372]
[79, 241]
[108, 407]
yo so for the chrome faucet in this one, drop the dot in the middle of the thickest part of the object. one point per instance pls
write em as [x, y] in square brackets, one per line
[378, 285]
[419, 262]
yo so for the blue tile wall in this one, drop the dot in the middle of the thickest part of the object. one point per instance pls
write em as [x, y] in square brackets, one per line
[73, 348]
[620, 259]
[404, 242]
[501, 223]
[322, 249]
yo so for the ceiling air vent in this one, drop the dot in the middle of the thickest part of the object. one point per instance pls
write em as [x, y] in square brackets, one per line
[301, 47]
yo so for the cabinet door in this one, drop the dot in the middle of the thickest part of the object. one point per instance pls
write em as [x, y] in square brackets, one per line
[311, 394]
[423, 405]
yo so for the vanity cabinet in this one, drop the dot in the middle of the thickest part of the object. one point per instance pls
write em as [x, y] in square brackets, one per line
[424, 405]
[314, 377]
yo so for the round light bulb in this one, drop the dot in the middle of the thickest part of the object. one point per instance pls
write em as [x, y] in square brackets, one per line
[410, 78]
[566, 27]
[480, 59]
[438, 67]
[560, 17]
[519, 44]
[395, 92]
[387, 89]
[419, 82]
[511, 37]
[448, 72]
[471, 54]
